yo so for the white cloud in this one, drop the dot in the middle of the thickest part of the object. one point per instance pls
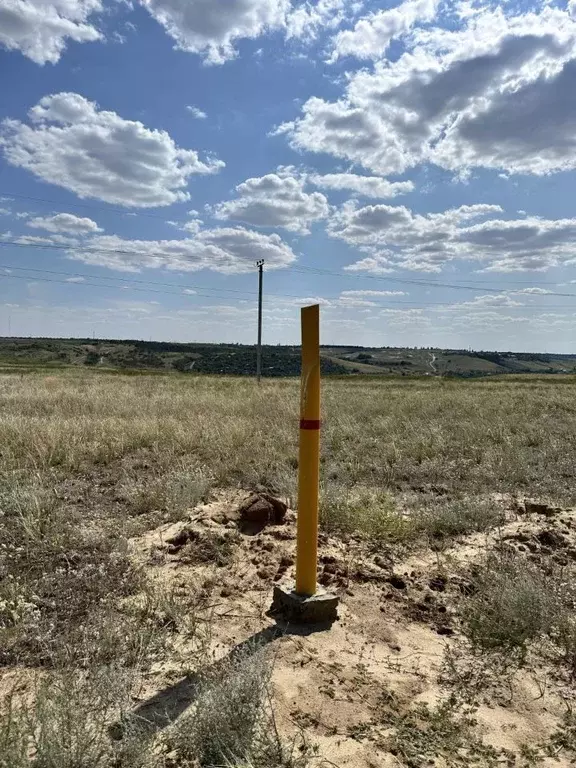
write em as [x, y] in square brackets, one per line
[373, 34]
[275, 200]
[379, 264]
[491, 300]
[5, 211]
[40, 29]
[211, 28]
[305, 20]
[75, 279]
[533, 291]
[396, 238]
[376, 294]
[95, 153]
[196, 112]
[38, 240]
[490, 94]
[368, 186]
[65, 222]
[226, 250]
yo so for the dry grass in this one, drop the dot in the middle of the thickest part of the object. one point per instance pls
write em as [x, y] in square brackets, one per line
[232, 722]
[519, 605]
[506, 435]
[89, 459]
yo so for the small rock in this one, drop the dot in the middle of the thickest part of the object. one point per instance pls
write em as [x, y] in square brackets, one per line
[263, 508]
[286, 561]
[397, 581]
[551, 538]
[381, 562]
[448, 631]
[521, 536]
[179, 540]
[538, 508]
[438, 583]
[326, 579]
[368, 573]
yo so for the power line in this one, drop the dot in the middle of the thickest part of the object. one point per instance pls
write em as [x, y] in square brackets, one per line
[124, 279]
[301, 269]
[322, 270]
[317, 270]
[99, 285]
[183, 287]
[407, 281]
[422, 305]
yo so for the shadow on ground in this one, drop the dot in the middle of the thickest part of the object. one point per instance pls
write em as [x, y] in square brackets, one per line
[166, 706]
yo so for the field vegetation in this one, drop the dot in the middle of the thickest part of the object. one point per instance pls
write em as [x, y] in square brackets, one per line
[413, 471]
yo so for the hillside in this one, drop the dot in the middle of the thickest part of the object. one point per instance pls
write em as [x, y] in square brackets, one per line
[240, 360]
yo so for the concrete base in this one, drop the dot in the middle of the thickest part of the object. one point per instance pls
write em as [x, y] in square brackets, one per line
[321, 608]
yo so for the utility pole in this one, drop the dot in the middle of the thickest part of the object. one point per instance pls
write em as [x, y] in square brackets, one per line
[260, 265]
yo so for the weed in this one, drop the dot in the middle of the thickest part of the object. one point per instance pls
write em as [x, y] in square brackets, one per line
[233, 721]
[445, 519]
[64, 724]
[447, 731]
[364, 512]
[210, 547]
[514, 603]
[171, 492]
[54, 574]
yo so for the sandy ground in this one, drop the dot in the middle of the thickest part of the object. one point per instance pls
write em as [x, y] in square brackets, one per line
[397, 619]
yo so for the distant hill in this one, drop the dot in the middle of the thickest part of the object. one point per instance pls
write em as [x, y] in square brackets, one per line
[240, 360]
[231, 359]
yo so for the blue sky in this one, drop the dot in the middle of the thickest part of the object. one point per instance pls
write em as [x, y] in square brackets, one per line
[409, 165]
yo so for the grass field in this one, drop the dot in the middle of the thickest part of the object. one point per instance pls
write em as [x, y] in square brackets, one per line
[91, 463]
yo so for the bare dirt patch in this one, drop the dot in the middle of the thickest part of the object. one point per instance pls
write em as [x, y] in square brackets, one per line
[363, 690]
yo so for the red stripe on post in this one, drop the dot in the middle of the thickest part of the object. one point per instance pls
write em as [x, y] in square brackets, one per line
[310, 423]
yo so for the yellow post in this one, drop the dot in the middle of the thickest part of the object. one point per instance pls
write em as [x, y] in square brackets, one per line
[309, 454]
